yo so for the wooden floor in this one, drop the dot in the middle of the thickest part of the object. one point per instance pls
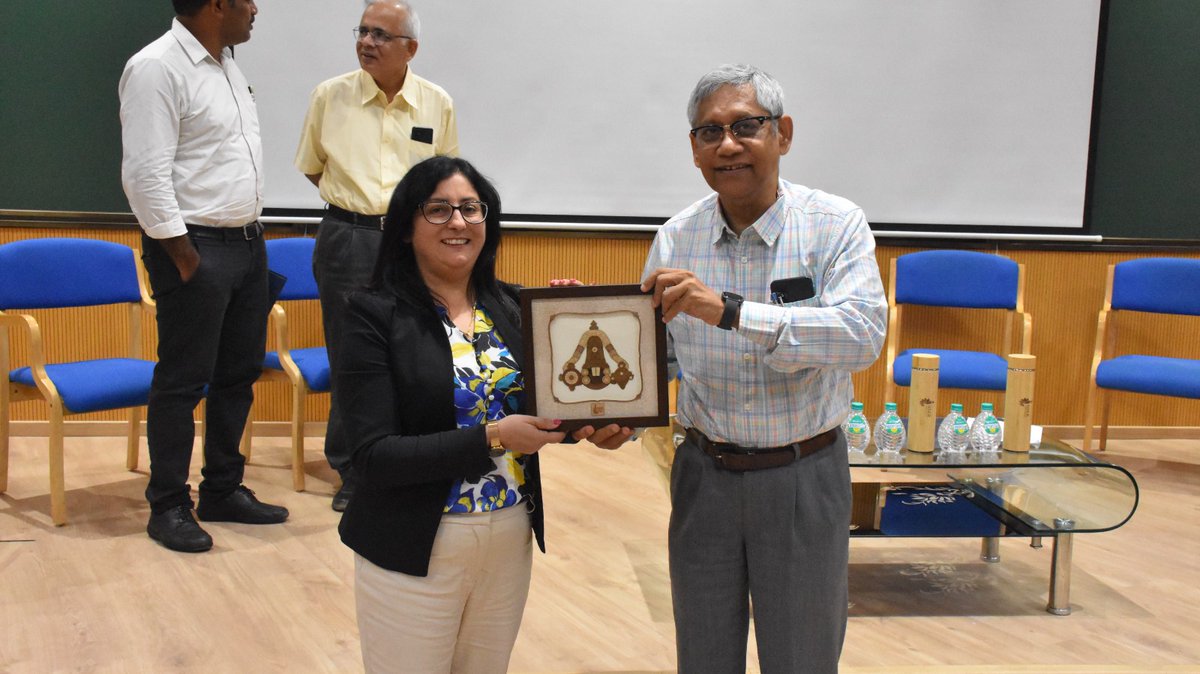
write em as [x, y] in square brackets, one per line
[99, 596]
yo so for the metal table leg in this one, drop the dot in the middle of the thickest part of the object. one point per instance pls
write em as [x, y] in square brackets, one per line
[989, 551]
[1060, 571]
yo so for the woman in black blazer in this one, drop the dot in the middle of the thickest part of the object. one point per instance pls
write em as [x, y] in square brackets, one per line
[431, 382]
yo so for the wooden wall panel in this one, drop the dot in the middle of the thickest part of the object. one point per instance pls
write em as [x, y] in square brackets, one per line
[1065, 290]
[534, 259]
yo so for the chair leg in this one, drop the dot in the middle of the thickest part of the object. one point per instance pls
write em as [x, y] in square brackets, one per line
[247, 433]
[1089, 417]
[4, 430]
[1106, 404]
[298, 438]
[58, 492]
[135, 428]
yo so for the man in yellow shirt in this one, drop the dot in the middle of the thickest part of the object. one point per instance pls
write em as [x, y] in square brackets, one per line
[363, 131]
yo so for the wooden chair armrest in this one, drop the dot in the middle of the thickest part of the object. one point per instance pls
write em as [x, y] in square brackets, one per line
[1026, 333]
[1100, 352]
[37, 353]
[278, 318]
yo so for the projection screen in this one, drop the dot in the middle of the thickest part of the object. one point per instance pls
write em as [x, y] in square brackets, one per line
[924, 112]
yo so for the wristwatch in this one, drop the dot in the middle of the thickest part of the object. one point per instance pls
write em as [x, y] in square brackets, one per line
[495, 447]
[733, 307]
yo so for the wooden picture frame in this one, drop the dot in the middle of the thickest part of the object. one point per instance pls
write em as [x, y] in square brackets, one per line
[595, 355]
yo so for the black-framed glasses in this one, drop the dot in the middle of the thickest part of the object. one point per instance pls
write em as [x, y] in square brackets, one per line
[747, 128]
[378, 35]
[440, 212]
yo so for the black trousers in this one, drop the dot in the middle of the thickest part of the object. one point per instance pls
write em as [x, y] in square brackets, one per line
[211, 337]
[343, 261]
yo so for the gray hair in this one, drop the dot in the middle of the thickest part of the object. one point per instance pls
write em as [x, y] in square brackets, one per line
[767, 90]
[412, 24]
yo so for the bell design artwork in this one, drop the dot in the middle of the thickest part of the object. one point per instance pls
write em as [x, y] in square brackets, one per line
[595, 372]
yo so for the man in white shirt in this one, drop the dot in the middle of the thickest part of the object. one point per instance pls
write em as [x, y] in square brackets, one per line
[192, 170]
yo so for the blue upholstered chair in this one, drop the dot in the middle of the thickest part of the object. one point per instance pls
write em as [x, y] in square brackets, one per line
[1161, 285]
[307, 369]
[962, 279]
[59, 274]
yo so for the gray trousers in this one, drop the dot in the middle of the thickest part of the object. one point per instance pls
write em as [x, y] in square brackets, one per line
[778, 537]
[343, 261]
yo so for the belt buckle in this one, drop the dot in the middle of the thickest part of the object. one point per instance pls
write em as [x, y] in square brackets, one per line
[717, 448]
[252, 227]
[382, 220]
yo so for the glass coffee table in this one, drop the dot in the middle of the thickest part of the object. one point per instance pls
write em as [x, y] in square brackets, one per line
[1053, 490]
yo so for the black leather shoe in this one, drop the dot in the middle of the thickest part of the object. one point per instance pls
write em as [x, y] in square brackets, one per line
[177, 530]
[342, 498]
[240, 506]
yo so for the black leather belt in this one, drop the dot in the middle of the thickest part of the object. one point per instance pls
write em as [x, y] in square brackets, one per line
[740, 459]
[244, 233]
[357, 219]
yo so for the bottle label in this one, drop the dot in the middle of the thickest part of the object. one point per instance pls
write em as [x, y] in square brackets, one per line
[893, 426]
[961, 427]
[991, 426]
[857, 425]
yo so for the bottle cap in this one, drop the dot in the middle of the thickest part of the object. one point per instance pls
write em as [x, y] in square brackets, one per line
[986, 407]
[856, 406]
[956, 407]
[890, 407]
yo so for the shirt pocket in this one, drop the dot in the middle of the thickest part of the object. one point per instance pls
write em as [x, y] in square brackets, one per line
[419, 150]
[810, 302]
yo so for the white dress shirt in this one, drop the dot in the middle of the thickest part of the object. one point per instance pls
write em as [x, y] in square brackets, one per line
[191, 151]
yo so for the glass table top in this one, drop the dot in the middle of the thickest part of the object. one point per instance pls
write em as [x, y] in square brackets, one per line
[1052, 488]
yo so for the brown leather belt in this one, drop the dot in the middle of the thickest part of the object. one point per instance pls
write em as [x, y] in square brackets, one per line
[741, 459]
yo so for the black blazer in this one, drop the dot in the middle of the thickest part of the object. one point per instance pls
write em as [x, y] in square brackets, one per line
[396, 393]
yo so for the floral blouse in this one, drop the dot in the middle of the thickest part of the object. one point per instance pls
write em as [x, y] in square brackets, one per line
[487, 386]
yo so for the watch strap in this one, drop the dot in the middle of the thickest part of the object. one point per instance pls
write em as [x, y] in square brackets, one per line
[733, 306]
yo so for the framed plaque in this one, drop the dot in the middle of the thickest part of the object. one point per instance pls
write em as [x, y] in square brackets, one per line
[594, 355]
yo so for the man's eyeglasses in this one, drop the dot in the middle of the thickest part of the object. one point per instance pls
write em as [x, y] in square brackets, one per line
[440, 212]
[378, 35]
[748, 128]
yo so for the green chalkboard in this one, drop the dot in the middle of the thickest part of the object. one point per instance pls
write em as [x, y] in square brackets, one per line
[1147, 151]
[58, 99]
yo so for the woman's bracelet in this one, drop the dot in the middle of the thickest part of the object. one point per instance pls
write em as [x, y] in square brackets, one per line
[493, 439]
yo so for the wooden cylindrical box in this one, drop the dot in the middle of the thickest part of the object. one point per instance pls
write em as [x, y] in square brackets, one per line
[922, 403]
[1018, 402]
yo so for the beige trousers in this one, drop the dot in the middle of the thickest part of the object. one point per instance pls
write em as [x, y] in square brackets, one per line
[464, 616]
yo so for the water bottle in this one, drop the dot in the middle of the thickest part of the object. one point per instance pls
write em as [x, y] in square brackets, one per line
[889, 430]
[856, 428]
[954, 433]
[985, 433]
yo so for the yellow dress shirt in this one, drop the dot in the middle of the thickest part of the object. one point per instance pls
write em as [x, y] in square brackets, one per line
[362, 145]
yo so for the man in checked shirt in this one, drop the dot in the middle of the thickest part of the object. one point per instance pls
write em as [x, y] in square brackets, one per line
[773, 298]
